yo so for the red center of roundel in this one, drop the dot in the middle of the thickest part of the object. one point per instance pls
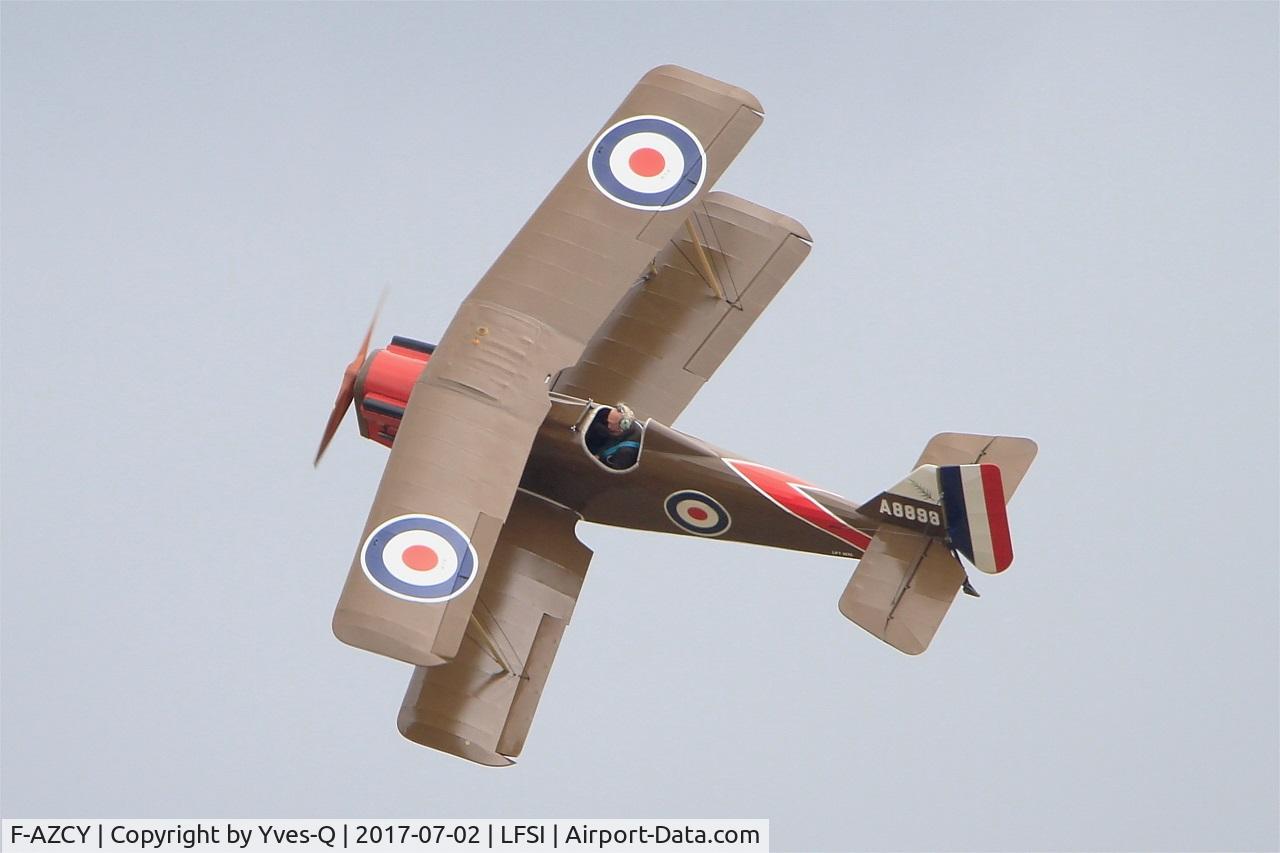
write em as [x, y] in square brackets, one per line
[420, 558]
[647, 162]
[697, 513]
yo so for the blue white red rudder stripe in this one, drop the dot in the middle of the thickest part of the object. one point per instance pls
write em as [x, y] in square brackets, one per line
[973, 499]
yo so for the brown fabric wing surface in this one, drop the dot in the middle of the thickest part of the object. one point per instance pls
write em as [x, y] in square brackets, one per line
[479, 706]
[671, 331]
[472, 417]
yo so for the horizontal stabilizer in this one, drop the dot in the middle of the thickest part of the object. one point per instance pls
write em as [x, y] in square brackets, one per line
[902, 588]
[953, 503]
[1013, 455]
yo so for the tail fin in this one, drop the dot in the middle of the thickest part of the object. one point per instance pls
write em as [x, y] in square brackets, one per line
[973, 502]
[952, 503]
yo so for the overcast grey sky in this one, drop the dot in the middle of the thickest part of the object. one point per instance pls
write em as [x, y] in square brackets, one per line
[1049, 220]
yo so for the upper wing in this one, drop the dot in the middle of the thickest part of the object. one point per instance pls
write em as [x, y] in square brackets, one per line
[473, 414]
[480, 704]
[671, 332]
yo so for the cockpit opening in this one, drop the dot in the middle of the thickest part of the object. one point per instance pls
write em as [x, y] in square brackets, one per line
[615, 437]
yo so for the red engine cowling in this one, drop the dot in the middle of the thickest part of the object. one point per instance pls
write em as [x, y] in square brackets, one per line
[384, 384]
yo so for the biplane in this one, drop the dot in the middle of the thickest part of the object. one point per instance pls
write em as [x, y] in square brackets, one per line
[549, 400]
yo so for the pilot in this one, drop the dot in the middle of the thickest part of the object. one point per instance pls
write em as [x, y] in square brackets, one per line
[614, 437]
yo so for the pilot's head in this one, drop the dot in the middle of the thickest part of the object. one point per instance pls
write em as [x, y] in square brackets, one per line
[621, 419]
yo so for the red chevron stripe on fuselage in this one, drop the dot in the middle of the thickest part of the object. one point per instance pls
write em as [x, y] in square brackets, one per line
[791, 494]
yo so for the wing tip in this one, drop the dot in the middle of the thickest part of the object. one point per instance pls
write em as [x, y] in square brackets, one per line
[431, 737]
[759, 212]
[382, 637]
[679, 72]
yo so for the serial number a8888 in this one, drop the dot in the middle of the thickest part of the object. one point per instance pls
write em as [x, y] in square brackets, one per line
[900, 509]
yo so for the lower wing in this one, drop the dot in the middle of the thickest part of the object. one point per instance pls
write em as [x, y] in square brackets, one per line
[480, 704]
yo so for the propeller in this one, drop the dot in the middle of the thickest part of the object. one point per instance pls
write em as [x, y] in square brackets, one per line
[347, 390]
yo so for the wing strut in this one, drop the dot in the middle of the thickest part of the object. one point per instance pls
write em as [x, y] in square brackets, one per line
[486, 640]
[471, 706]
[483, 397]
[712, 281]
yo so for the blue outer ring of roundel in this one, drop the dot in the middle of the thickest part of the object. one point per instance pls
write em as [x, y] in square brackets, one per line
[376, 570]
[685, 188]
[715, 530]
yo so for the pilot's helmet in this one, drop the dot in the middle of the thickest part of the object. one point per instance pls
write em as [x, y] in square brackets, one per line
[627, 418]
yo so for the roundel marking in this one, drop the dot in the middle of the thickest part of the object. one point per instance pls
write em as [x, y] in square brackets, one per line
[695, 512]
[648, 163]
[419, 558]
